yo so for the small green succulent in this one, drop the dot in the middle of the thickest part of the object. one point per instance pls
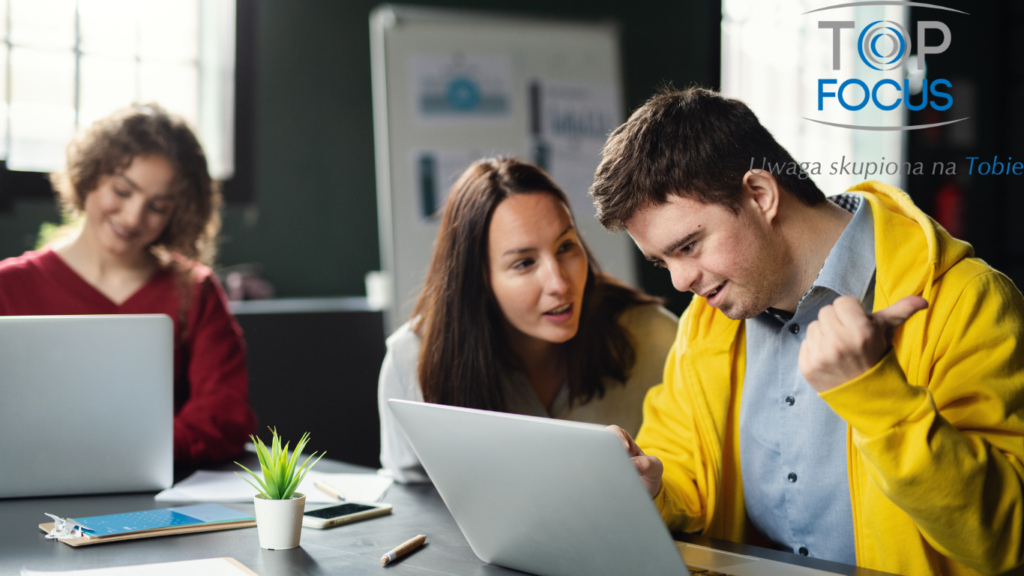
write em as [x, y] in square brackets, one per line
[280, 478]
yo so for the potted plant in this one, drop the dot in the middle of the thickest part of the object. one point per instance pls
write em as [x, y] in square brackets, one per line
[278, 507]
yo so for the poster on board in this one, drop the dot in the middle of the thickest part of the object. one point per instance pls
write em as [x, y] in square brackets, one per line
[434, 171]
[460, 88]
[569, 125]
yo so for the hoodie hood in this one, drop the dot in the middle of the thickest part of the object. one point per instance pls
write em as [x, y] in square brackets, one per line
[911, 249]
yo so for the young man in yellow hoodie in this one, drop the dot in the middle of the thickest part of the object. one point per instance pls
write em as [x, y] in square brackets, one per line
[848, 381]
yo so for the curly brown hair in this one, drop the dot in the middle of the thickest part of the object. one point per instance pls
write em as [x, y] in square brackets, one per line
[110, 145]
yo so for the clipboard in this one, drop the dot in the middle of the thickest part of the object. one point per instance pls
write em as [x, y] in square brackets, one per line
[154, 523]
[76, 542]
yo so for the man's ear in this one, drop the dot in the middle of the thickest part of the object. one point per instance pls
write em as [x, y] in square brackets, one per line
[762, 191]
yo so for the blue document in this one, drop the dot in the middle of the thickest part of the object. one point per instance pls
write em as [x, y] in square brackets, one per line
[163, 518]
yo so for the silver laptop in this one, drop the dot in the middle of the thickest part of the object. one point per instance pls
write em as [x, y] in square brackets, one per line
[553, 497]
[87, 404]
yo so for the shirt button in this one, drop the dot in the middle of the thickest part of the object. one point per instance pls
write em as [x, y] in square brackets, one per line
[794, 328]
[790, 400]
[792, 476]
[803, 551]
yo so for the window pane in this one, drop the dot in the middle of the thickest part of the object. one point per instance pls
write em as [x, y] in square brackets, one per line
[3, 18]
[42, 76]
[3, 102]
[217, 85]
[39, 136]
[174, 86]
[43, 23]
[109, 27]
[42, 108]
[106, 84]
[169, 30]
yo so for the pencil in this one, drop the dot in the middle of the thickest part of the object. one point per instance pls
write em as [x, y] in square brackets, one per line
[328, 489]
[403, 549]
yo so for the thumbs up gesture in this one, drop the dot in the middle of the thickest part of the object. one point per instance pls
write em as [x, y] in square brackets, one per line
[845, 341]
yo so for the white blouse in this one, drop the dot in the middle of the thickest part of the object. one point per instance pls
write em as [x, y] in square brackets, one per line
[651, 329]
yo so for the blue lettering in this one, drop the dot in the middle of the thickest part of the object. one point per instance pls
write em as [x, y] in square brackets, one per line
[822, 95]
[924, 95]
[941, 100]
[874, 93]
[867, 94]
[949, 99]
[997, 165]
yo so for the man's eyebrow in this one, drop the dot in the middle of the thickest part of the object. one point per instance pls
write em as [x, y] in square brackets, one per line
[522, 250]
[681, 242]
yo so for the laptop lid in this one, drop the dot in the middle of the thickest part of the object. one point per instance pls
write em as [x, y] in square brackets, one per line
[546, 496]
[88, 404]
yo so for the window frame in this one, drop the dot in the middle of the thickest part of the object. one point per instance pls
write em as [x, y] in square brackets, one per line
[239, 189]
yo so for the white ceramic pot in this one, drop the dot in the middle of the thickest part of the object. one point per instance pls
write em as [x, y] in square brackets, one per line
[279, 522]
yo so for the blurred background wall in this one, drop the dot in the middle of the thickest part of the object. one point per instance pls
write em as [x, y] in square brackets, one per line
[303, 201]
[311, 216]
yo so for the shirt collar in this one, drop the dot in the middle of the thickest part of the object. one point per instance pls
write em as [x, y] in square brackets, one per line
[849, 268]
[850, 265]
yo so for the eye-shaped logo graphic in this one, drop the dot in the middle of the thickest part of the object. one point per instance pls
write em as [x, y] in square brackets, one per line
[870, 50]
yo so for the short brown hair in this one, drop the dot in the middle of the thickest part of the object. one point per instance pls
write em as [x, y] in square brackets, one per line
[692, 143]
[110, 144]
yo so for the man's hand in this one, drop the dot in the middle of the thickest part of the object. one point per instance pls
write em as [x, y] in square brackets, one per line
[650, 467]
[845, 341]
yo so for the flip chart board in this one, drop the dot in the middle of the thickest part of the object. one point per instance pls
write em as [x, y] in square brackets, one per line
[450, 87]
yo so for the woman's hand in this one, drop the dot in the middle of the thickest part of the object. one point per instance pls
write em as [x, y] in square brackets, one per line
[649, 467]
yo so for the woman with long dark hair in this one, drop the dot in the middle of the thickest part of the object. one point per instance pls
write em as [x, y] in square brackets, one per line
[516, 316]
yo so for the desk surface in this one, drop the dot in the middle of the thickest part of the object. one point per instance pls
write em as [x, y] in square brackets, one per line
[352, 550]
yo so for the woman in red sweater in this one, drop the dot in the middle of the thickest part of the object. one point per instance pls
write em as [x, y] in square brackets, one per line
[138, 182]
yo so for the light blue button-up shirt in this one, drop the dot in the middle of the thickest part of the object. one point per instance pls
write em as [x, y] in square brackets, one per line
[792, 445]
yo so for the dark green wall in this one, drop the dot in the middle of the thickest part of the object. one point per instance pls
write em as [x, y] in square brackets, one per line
[985, 52]
[19, 225]
[314, 227]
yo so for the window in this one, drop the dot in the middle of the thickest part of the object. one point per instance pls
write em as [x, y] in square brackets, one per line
[772, 58]
[70, 62]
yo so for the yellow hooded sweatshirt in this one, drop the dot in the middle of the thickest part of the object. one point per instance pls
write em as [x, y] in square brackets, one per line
[935, 435]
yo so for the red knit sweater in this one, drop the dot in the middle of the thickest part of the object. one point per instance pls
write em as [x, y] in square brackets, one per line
[212, 418]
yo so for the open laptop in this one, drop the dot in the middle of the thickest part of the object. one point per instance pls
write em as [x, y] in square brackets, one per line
[87, 404]
[554, 497]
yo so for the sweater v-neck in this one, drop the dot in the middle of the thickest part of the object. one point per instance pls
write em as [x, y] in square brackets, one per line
[68, 277]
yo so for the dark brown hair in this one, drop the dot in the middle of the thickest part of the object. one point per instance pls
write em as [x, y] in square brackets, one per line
[464, 350]
[692, 143]
[110, 145]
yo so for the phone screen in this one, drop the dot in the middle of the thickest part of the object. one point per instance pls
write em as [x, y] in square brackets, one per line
[339, 510]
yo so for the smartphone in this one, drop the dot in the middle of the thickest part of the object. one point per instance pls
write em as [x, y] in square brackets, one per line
[346, 513]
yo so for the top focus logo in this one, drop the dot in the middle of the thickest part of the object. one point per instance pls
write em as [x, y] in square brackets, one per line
[884, 45]
[898, 40]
